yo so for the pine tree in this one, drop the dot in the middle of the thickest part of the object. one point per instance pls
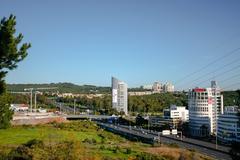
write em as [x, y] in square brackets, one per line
[10, 54]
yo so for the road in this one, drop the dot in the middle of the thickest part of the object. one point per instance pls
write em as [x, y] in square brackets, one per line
[188, 140]
[200, 146]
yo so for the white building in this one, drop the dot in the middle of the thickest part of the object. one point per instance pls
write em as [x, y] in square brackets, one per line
[157, 87]
[19, 107]
[176, 112]
[203, 104]
[228, 127]
[168, 87]
[148, 87]
[119, 95]
[139, 93]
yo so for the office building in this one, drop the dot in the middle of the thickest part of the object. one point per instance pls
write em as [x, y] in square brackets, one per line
[228, 127]
[168, 87]
[204, 104]
[177, 113]
[119, 95]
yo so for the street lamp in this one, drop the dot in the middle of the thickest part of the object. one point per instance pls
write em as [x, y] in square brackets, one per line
[74, 103]
[35, 98]
[31, 92]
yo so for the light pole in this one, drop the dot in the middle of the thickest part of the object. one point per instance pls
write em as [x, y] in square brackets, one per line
[181, 135]
[215, 99]
[159, 137]
[74, 103]
[31, 90]
[31, 96]
[148, 123]
[35, 100]
[60, 106]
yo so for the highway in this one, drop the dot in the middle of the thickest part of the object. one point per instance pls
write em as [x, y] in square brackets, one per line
[188, 140]
[200, 146]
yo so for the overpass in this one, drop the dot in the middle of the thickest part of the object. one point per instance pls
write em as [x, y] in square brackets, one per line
[87, 116]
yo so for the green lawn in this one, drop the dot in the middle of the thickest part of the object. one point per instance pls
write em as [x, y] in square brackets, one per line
[74, 140]
[20, 135]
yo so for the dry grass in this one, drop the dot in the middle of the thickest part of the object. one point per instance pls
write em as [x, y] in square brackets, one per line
[176, 153]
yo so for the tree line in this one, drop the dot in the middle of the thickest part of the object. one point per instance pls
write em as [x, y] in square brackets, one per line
[136, 104]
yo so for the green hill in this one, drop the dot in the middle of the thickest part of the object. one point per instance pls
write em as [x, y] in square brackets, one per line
[61, 87]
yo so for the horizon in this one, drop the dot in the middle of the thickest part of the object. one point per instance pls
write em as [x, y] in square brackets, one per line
[140, 42]
[110, 86]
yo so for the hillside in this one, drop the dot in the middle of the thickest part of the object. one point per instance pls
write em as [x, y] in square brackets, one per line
[61, 87]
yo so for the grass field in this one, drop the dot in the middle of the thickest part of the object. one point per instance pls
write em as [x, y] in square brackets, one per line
[78, 140]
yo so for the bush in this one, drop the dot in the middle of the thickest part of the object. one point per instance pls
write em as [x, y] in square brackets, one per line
[147, 156]
[33, 143]
[89, 141]
[128, 150]
[102, 147]
[115, 149]
[173, 145]
[21, 153]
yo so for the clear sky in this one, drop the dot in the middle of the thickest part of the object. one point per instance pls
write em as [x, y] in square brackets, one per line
[138, 41]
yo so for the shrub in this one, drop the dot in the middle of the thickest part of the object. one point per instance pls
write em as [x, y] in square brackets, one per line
[89, 141]
[147, 156]
[174, 145]
[34, 142]
[115, 149]
[102, 147]
[128, 150]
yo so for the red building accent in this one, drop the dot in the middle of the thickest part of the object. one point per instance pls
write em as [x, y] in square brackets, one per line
[199, 90]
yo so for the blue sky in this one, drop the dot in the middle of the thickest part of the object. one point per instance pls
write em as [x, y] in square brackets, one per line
[138, 41]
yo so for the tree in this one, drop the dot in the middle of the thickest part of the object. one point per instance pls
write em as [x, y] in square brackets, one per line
[5, 112]
[10, 54]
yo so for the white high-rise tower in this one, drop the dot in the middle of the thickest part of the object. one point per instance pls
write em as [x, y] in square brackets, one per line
[119, 95]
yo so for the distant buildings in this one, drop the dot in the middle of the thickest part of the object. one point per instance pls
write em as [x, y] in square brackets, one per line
[168, 87]
[139, 93]
[157, 87]
[119, 95]
[176, 112]
[228, 126]
[147, 87]
[72, 95]
[204, 105]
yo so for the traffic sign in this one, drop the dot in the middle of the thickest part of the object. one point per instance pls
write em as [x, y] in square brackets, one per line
[174, 131]
[166, 132]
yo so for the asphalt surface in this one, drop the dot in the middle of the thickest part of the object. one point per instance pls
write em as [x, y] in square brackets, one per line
[200, 146]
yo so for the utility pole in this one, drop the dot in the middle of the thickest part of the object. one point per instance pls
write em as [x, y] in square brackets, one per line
[74, 103]
[35, 104]
[35, 100]
[31, 94]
